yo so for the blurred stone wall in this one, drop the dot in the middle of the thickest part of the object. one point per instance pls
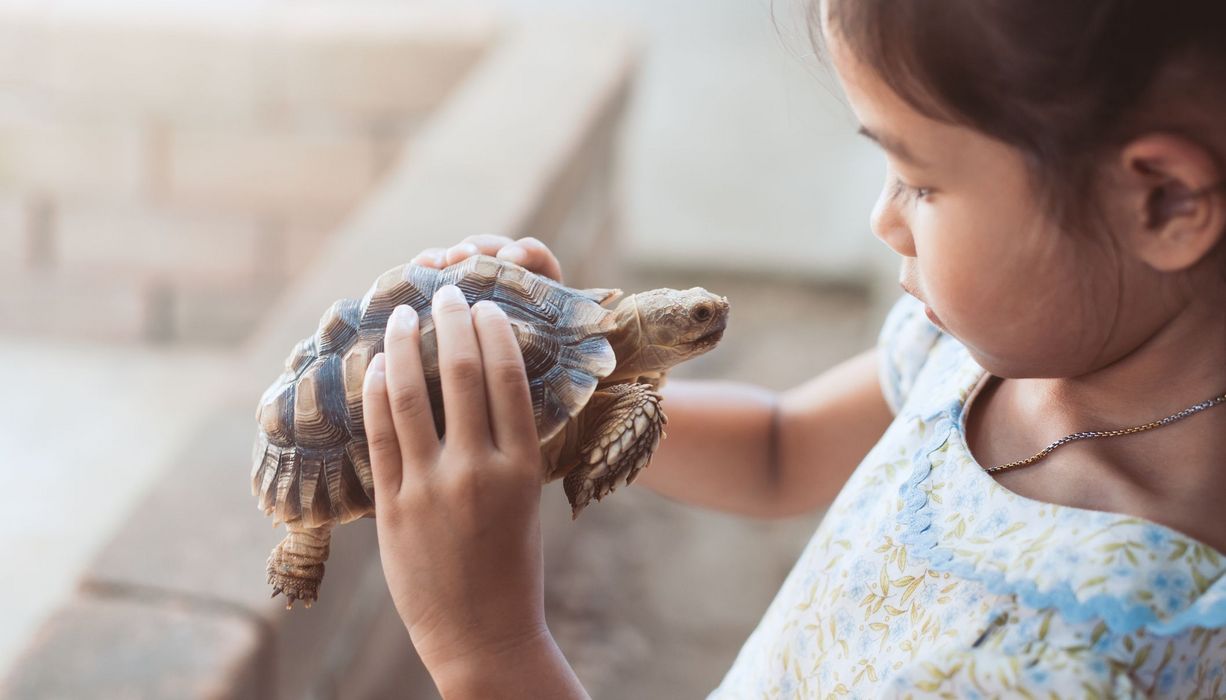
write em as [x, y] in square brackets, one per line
[164, 170]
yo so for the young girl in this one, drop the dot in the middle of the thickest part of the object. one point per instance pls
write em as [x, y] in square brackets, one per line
[1056, 195]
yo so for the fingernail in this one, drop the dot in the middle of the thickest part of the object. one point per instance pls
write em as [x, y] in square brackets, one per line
[423, 258]
[450, 292]
[405, 317]
[514, 253]
[464, 250]
[488, 307]
[377, 367]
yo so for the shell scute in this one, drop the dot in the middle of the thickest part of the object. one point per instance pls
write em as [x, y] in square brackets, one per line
[319, 406]
[407, 284]
[356, 359]
[303, 354]
[338, 326]
[359, 456]
[313, 490]
[276, 413]
[286, 503]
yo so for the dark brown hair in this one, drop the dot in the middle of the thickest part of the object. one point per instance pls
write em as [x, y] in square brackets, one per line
[1064, 81]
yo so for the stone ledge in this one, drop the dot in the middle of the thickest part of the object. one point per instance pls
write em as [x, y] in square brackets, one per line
[107, 644]
[198, 536]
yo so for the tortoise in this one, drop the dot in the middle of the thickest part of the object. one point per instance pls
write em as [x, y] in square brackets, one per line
[594, 370]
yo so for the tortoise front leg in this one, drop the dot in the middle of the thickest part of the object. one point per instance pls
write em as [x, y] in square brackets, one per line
[624, 432]
[296, 565]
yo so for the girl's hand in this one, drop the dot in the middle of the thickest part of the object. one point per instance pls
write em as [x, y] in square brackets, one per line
[458, 520]
[526, 252]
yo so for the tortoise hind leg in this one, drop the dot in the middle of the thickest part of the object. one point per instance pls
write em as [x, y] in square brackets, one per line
[296, 565]
[625, 432]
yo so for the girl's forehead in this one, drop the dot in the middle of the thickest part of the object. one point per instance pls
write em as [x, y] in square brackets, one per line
[864, 87]
[881, 111]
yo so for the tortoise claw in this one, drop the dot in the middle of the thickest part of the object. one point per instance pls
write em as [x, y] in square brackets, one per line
[297, 582]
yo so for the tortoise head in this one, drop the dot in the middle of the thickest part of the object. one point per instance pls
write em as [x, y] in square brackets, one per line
[664, 327]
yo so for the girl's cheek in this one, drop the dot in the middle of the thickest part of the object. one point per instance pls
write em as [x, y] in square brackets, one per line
[948, 275]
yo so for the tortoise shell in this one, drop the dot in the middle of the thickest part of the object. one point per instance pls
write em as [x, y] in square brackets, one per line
[311, 461]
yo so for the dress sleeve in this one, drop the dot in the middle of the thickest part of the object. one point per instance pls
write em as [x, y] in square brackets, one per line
[907, 338]
[988, 673]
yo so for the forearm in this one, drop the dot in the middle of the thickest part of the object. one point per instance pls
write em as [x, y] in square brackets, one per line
[719, 449]
[535, 668]
[828, 425]
[747, 450]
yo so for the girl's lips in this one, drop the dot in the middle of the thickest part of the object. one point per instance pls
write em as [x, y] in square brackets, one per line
[933, 317]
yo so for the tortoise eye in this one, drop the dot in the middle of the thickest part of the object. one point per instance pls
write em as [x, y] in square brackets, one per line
[702, 313]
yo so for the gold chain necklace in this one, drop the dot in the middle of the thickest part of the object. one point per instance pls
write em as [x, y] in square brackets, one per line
[1085, 435]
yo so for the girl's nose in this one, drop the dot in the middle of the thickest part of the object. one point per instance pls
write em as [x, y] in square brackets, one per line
[888, 225]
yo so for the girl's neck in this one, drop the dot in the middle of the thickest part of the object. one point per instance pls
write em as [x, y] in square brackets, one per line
[1173, 474]
[1181, 364]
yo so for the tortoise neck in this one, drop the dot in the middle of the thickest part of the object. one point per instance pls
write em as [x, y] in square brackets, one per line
[628, 339]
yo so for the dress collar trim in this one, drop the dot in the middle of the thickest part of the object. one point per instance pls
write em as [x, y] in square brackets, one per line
[1129, 572]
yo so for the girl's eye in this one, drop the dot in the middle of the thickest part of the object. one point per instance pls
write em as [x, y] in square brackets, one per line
[900, 190]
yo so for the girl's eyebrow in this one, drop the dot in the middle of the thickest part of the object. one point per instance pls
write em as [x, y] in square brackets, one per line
[893, 145]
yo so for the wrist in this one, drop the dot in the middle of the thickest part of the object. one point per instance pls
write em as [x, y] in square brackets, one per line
[528, 665]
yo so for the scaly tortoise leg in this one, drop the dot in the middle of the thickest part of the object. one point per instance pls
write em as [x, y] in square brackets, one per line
[624, 435]
[296, 565]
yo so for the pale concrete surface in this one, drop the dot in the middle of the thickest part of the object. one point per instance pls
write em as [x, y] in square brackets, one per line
[85, 430]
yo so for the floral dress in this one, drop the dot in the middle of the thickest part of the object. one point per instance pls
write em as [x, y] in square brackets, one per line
[928, 579]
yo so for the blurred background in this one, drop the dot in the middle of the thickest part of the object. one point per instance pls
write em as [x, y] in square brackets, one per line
[186, 185]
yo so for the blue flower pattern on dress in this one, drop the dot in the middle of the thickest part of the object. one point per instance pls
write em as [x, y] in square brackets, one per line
[926, 578]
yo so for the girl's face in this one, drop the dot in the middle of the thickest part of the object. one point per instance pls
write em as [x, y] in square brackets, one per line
[1026, 298]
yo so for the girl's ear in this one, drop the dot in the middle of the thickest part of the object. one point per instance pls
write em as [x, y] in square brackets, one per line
[1180, 201]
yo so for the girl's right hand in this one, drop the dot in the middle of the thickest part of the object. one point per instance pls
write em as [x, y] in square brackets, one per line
[526, 252]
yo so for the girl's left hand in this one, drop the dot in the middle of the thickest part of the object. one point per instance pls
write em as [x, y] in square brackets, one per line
[458, 519]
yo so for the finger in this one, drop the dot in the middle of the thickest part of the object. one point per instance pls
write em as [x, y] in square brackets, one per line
[459, 364]
[461, 251]
[512, 421]
[488, 243]
[533, 255]
[480, 244]
[406, 389]
[380, 431]
[431, 257]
